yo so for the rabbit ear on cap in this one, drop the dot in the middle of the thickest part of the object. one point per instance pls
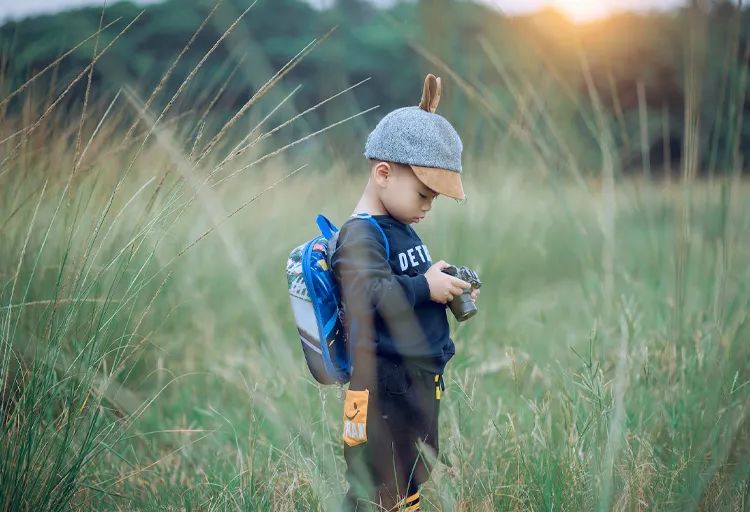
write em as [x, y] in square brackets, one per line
[430, 93]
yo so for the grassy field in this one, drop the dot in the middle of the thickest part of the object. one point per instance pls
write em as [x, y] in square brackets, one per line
[149, 360]
[141, 377]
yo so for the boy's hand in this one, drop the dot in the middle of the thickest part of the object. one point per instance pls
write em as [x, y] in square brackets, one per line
[442, 286]
[475, 294]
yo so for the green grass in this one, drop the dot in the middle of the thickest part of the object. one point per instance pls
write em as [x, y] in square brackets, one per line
[559, 397]
[149, 360]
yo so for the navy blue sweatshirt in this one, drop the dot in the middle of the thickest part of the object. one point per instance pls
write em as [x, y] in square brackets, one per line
[386, 298]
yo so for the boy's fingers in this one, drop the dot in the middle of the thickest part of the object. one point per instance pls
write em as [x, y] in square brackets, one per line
[460, 282]
[456, 291]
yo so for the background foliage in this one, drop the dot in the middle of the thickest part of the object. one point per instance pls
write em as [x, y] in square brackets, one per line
[395, 47]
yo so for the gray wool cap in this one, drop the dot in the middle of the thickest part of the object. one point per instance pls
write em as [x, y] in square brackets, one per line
[413, 136]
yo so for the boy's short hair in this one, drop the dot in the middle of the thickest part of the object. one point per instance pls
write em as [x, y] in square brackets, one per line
[422, 139]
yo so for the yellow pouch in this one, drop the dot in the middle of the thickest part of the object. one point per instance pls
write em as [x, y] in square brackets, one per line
[355, 417]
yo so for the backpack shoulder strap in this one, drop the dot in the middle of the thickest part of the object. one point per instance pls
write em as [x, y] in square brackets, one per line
[327, 228]
[368, 217]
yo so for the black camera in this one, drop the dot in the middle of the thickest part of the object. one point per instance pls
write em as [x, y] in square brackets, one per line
[462, 306]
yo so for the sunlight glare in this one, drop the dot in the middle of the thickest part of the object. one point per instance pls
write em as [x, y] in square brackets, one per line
[582, 10]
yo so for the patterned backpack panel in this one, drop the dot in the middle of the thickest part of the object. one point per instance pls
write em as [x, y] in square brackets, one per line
[316, 304]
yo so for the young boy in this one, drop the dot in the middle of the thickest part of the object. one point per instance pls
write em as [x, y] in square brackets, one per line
[394, 300]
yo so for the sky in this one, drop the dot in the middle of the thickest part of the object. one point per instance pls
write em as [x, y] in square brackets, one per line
[578, 10]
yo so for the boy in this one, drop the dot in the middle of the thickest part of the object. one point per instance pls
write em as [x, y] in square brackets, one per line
[394, 300]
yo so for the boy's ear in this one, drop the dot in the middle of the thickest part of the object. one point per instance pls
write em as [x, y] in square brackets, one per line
[431, 93]
[381, 171]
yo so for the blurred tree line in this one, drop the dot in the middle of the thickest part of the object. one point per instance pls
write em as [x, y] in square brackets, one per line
[536, 84]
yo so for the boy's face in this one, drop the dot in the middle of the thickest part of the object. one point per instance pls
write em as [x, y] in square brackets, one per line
[405, 197]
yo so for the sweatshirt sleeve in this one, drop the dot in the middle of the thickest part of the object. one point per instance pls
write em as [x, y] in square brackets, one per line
[362, 270]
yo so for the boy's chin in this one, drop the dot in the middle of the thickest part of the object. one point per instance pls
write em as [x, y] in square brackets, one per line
[409, 220]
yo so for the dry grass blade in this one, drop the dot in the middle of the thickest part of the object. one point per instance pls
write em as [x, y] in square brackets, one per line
[291, 144]
[241, 147]
[216, 97]
[522, 95]
[739, 114]
[608, 198]
[86, 95]
[97, 129]
[6, 331]
[643, 125]
[494, 116]
[286, 68]
[192, 74]
[307, 111]
[690, 152]
[168, 73]
[240, 208]
[56, 301]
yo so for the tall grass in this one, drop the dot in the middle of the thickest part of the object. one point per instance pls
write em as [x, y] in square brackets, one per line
[149, 360]
[94, 220]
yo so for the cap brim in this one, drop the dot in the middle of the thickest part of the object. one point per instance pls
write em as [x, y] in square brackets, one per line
[442, 181]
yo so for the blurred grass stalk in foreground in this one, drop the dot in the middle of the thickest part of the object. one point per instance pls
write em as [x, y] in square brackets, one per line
[146, 364]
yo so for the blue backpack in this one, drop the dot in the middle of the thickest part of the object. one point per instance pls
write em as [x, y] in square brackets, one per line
[316, 304]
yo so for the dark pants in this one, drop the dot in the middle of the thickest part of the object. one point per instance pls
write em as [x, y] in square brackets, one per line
[402, 437]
